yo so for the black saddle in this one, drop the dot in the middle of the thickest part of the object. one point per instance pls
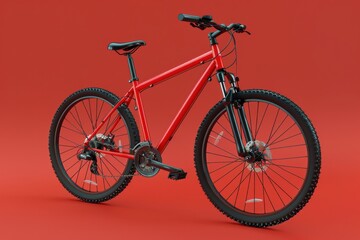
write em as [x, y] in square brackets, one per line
[126, 46]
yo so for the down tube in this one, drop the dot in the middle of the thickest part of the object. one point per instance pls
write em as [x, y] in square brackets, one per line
[186, 107]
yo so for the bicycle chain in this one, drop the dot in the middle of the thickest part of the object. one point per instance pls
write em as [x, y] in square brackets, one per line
[108, 176]
[111, 146]
[119, 176]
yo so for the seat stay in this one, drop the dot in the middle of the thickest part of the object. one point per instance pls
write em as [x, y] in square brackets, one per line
[124, 100]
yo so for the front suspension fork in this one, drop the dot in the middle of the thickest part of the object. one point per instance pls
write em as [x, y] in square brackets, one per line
[231, 113]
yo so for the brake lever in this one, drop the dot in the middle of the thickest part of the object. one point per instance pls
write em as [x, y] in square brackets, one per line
[242, 31]
[240, 28]
[197, 25]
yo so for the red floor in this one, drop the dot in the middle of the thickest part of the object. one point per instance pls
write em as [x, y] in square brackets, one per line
[35, 205]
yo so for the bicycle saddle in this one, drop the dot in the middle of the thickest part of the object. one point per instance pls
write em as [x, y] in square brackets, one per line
[126, 46]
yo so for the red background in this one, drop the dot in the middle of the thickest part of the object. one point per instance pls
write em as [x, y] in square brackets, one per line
[307, 50]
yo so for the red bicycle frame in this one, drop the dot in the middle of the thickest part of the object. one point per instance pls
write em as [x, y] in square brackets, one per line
[216, 63]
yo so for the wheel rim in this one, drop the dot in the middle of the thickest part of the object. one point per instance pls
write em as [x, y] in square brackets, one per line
[77, 122]
[260, 188]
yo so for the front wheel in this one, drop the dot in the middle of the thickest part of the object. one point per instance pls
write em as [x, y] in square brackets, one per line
[270, 191]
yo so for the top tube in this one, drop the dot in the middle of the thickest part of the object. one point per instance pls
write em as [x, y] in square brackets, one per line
[175, 71]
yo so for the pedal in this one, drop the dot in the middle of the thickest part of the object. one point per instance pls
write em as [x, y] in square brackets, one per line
[178, 175]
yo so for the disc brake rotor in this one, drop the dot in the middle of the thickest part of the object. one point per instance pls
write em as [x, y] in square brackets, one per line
[259, 166]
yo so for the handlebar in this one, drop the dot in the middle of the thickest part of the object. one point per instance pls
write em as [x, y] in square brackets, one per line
[188, 18]
[207, 22]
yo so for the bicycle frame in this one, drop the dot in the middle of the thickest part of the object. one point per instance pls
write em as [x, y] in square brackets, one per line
[216, 63]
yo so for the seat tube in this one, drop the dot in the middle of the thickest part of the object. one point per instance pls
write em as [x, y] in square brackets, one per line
[135, 81]
[140, 108]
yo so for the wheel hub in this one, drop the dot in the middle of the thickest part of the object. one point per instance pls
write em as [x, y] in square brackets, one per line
[101, 141]
[259, 156]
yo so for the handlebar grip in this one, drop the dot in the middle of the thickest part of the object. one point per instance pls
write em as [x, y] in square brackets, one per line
[188, 18]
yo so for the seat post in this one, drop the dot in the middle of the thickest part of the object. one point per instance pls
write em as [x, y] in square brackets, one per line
[132, 68]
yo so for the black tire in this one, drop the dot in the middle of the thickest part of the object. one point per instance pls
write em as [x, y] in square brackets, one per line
[75, 119]
[285, 181]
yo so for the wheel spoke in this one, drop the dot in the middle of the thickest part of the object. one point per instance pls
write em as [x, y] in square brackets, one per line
[271, 180]
[221, 155]
[247, 191]
[262, 119]
[112, 165]
[286, 171]
[229, 163]
[282, 133]
[226, 174]
[78, 172]
[254, 186]
[76, 162]
[72, 148]
[287, 158]
[231, 180]
[288, 166]
[86, 173]
[277, 129]
[103, 174]
[79, 122]
[72, 130]
[223, 150]
[264, 190]
[286, 180]
[238, 186]
[99, 113]
[118, 160]
[69, 140]
[75, 127]
[256, 121]
[272, 184]
[67, 159]
[111, 174]
[223, 137]
[224, 127]
[118, 129]
[289, 146]
[273, 125]
[89, 116]
[108, 125]
[251, 125]
[284, 139]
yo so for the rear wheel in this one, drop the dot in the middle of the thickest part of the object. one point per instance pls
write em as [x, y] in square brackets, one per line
[267, 191]
[102, 176]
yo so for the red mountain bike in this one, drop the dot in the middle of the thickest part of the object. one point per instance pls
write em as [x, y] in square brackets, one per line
[257, 155]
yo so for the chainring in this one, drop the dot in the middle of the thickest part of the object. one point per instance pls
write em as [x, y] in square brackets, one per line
[143, 154]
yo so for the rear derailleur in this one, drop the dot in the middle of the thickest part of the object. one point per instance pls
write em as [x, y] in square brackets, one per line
[101, 142]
